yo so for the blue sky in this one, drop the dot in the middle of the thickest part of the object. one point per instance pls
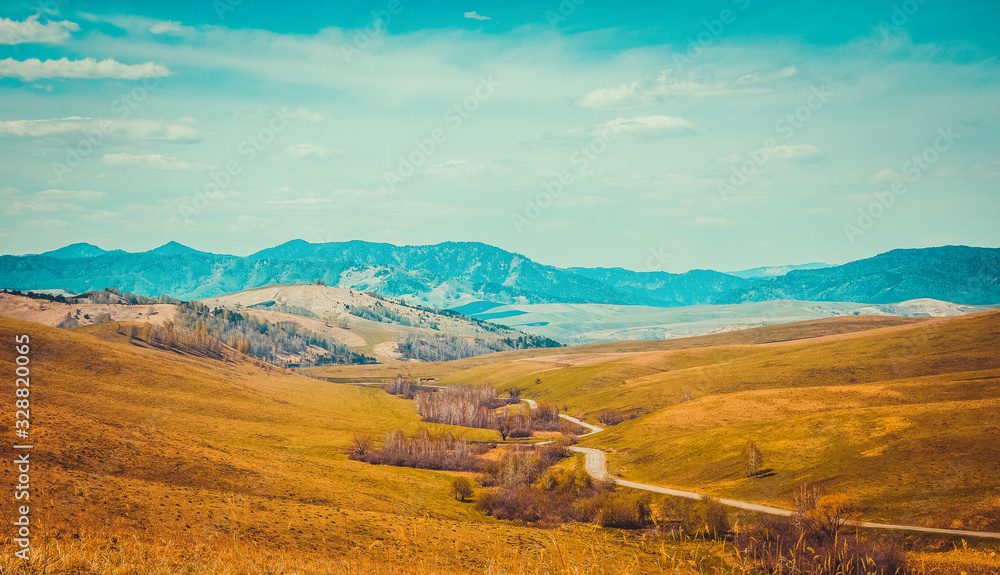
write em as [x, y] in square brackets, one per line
[666, 136]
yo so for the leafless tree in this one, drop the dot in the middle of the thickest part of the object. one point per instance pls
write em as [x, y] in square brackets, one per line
[361, 445]
[752, 459]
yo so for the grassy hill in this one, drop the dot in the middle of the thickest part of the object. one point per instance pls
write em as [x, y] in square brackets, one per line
[367, 323]
[163, 462]
[899, 415]
[896, 410]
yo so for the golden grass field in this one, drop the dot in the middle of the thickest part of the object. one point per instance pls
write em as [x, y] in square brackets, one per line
[904, 416]
[159, 462]
[151, 461]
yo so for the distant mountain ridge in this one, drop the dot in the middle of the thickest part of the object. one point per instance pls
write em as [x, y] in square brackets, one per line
[455, 273]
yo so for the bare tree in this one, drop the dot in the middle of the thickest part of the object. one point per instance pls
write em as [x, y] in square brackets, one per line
[462, 488]
[505, 424]
[362, 444]
[752, 459]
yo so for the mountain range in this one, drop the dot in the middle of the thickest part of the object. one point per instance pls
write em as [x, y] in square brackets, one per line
[456, 273]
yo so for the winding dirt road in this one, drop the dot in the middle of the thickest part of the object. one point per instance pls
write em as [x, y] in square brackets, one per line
[596, 464]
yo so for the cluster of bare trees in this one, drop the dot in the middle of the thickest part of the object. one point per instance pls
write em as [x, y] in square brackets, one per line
[423, 451]
[263, 339]
[449, 347]
[466, 405]
[521, 422]
[171, 336]
[402, 386]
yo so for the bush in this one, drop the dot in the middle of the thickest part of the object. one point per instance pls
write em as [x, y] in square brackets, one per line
[625, 510]
[705, 517]
[609, 417]
[777, 545]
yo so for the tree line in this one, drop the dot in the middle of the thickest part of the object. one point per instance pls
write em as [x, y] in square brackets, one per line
[423, 451]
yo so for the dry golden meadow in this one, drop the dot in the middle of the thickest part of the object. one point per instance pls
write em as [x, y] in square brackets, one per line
[152, 461]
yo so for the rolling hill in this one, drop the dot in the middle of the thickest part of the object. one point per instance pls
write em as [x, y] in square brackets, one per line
[898, 411]
[159, 462]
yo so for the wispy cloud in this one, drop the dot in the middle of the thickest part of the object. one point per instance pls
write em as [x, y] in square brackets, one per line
[153, 162]
[308, 151]
[641, 127]
[483, 170]
[664, 84]
[32, 31]
[783, 152]
[48, 201]
[74, 125]
[168, 27]
[87, 68]
[473, 15]
[304, 114]
[651, 127]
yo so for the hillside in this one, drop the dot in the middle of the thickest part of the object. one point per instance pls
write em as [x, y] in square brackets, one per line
[452, 274]
[388, 330]
[892, 409]
[160, 462]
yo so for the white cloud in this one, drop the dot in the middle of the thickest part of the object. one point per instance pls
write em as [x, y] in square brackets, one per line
[309, 151]
[88, 68]
[48, 201]
[888, 175]
[77, 195]
[153, 162]
[461, 169]
[100, 215]
[31, 31]
[303, 114]
[791, 152]
[76, 126]
[575, 201]
[663, 84]
[46, 223]
[650, 127]
[168, 27]
[476, 16]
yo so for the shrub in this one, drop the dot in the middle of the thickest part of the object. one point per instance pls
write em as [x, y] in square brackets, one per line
[609, 417]
[705, 517]
[777, 545]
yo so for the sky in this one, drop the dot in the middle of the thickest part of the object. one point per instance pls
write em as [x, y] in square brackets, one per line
[662, 136]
